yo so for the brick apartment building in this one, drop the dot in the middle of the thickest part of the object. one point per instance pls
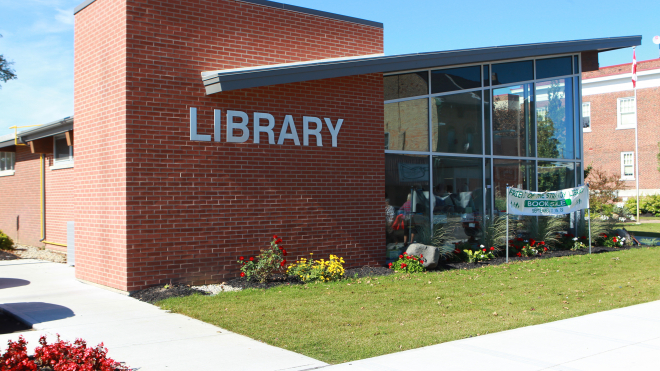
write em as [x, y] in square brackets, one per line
[203, 127]
[608, 110]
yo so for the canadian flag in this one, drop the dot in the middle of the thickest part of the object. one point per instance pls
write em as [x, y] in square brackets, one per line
[634, 70]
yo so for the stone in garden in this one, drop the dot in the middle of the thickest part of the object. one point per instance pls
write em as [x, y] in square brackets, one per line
[623, 233]
[431, 254]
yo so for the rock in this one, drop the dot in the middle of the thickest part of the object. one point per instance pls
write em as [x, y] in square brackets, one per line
[431, 254]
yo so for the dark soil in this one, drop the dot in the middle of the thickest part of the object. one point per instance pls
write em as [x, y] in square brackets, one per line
[158, 293]
[368, 272]
[546, 255]
[6, 255]
[277, 280]
[9, 324]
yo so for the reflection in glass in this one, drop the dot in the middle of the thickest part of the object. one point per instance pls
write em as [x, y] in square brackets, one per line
[516, 173]
[578, 119]
[407, 200]
[552, 67]
[554, 118]
[513, 125]
[458, 197]
[455, 79]
[456, 123]
[406, 125]
[506, 73]
[576, 66]
[554, 176]
[406, 85]
[489, 189]
[486, 75]
[487, 136]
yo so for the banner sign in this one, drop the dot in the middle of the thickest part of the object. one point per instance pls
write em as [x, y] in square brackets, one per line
[566, 201]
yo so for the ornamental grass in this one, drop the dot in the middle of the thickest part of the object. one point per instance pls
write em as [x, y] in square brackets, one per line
[359, 318]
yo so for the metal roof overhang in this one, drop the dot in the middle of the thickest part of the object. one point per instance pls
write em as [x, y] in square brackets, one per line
[225, 80]
[47, 130]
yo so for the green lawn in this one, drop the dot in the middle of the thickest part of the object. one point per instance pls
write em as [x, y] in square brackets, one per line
[356, 319]
[644, 229]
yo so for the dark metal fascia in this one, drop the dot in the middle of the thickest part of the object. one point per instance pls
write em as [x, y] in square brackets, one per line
[47, 130]
[225, 81]
[82, 6]
[321, 13]
[7, 143]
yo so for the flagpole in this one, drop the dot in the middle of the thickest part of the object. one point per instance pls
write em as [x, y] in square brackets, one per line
[634, 71]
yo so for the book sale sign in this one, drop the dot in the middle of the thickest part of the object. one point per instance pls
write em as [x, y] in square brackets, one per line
[565, 201]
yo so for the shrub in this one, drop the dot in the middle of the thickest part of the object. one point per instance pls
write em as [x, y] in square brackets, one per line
[611, 241]
[482, 254]
[526, 248]
[647, 205]
[268, 262]
[408, 264]
[6, 243]
[317, 270]
[59, 356]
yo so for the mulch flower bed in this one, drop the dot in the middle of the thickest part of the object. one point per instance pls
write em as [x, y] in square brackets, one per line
[157, 293]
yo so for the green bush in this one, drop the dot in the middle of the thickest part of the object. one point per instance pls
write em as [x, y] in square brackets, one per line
[647, 205]
[6, 243]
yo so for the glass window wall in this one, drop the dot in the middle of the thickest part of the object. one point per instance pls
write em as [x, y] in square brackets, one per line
[554, 176]
[516, 173]
[406, 85]
[554, 119]
[457, 123]
[407, 125]
[513, 123]
[508, 73]
[455, 79]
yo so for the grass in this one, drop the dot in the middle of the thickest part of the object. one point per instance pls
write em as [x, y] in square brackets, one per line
[644, 229]
[360, 318]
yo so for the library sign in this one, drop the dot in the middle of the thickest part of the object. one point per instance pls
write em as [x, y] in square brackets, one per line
[521, 202]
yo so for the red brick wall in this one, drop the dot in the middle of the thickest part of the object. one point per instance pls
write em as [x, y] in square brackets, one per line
[625, 68]
[100, 142]
[60, 207]
[21, 198]
[191, 208]
[604, 144]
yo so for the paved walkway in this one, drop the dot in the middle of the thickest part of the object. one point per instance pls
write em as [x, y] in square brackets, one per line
[48, 296]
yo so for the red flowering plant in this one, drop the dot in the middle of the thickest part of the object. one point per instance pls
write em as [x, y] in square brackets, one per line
[525, 248]
[460, 253]
[262, 267]
[409, 263]
[611, 241]
[59, 356]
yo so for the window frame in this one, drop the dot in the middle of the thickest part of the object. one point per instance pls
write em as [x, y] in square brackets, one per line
[585, 130]
[61, 163]
[12, 156]
[623, 164]
[619, 125]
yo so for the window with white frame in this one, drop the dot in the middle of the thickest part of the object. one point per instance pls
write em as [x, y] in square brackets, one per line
[62, 152]
[625, 112]
[586, 116]
[7, 161]
[628, 165]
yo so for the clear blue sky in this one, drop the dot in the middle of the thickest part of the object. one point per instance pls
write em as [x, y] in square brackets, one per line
[38, 37]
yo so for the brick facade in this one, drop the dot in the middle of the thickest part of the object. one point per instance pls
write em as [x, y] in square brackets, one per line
[159, 207]
[60, 207]
[604, 144]
[20, 207]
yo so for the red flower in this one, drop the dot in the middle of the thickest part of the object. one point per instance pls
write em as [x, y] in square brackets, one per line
[405, 253]
[252, 258]
[519, 239]
[241, 258]
[281, 247]
[532, 242]
[403, 265]
[519, 254]
[457, 251]
[584, 237]
[604, 235]
[400, 256]
[545, 249]
[284, 252]
[492, 248]
[421, 255]
[510, 241]
[242, 274]
[279, 240]
[283, 261]
[390, 265]
[410, 257]
[614, 239]
[518, 247]
[484, 250]
[275, 237]
[543, 243]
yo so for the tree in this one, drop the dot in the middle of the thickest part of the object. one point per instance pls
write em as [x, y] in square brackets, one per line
[6, 72]
[603, 189]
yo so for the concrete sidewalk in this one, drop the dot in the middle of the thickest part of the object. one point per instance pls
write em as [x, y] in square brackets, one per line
[620, 339]
[48, 296]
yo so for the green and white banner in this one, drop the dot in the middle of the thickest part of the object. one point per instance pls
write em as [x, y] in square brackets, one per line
[566, 201]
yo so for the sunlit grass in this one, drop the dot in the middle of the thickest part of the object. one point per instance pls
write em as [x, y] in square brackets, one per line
[356, 319]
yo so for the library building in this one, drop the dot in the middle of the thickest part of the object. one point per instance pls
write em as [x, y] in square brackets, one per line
[202, 128]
